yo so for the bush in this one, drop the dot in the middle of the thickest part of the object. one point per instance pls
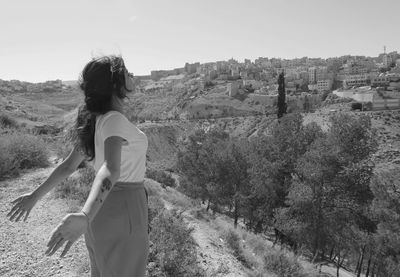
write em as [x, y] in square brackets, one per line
[282, 265]
[156, 206]
[233, 241]
[21, 151]
[7, 122]
[172, 248]
[161, 177]
[77, 186]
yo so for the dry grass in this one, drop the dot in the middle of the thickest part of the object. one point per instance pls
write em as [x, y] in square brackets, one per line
[21, 151]
[77, 186]
[258, 255]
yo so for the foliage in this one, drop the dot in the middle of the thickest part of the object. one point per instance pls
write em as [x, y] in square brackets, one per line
[7, 122]
[233, 241]
[281, 95]
[77, 186]
[172, 250]
[215, 169]
[21, 151]
[316, 188]
[161, 176]
[282, 265]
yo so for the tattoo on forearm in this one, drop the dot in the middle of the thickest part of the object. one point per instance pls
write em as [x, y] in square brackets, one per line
[106, 185]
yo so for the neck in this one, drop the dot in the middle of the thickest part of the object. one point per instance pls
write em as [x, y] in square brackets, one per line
[117, 105]
[118, 109]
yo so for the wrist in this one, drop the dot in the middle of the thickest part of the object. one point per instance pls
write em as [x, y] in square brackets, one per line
[35, 195]
[86, 216]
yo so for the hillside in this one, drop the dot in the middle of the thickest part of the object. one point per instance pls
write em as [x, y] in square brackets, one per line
[165, 139]
[187, 98]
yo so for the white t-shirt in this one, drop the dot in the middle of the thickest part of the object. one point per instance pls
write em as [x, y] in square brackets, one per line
[134, 148]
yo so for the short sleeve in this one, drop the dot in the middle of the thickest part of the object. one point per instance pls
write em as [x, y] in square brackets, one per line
[114, 124]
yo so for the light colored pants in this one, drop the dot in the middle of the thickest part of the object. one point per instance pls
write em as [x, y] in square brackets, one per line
[117, 239]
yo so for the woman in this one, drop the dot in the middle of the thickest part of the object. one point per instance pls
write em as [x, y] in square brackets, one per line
[114, 216]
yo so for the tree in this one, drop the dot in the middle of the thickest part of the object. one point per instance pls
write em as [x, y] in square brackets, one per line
[386, 206]
[306, 104]
[281, 95]
[328, 200]
[200, 160]
[273, 161]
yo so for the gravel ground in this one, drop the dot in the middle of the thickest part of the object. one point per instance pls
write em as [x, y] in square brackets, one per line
[22, 244]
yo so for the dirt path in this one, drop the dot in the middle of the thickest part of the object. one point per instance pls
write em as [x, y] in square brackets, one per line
[22, 245]
[214, 255]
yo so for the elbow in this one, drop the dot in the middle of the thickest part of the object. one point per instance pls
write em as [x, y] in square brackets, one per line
[115, 172]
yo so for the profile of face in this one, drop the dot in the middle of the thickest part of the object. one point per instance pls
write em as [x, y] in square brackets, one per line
[129, 85]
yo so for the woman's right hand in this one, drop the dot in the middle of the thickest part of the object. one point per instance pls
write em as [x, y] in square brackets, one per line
[22, 205]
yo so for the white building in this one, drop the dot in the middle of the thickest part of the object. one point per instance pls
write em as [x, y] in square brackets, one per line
[355, 80]
[324, 85]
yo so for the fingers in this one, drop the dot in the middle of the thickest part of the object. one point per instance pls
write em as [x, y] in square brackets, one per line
[53, 248]
[67, 247]
[27, 214]
[54, 237]
[16, 206]
[16, 213]
[20, 215]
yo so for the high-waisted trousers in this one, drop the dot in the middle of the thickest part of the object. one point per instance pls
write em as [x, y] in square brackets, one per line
[117, 238]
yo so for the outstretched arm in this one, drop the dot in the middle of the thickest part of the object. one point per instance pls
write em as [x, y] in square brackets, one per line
[24, 204]
[60, 173]
[74, 225]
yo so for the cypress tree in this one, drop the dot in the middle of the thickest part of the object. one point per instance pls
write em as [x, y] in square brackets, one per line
[281, 95]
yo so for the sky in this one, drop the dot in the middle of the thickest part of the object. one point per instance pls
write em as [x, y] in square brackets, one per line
[53, 39]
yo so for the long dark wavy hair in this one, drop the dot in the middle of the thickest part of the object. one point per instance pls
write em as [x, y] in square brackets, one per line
[100, 79]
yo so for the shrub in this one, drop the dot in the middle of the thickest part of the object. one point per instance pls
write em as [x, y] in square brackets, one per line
[7, 122]
[156, 206]
[77, 186]
[160, 176]
[233, 241]
[283, 266]
[172, 248]
[21, 151]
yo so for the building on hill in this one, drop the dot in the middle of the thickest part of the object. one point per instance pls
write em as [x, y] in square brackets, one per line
[192, 68]
[380, 81]
[324, 85]
[355, 80]
[233, 88]
[317, 73]
[351, 68]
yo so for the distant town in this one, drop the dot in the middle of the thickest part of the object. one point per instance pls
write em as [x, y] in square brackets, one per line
[371, 80]
[302, 74]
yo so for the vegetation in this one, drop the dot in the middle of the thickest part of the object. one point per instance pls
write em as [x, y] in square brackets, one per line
[7, 122]
[20, 151]
[317, 190]
[173, 250]
[77, 186]
[281, 95]
[161, 176]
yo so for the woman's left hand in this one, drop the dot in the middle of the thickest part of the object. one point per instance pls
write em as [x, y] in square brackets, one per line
[70, 229]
